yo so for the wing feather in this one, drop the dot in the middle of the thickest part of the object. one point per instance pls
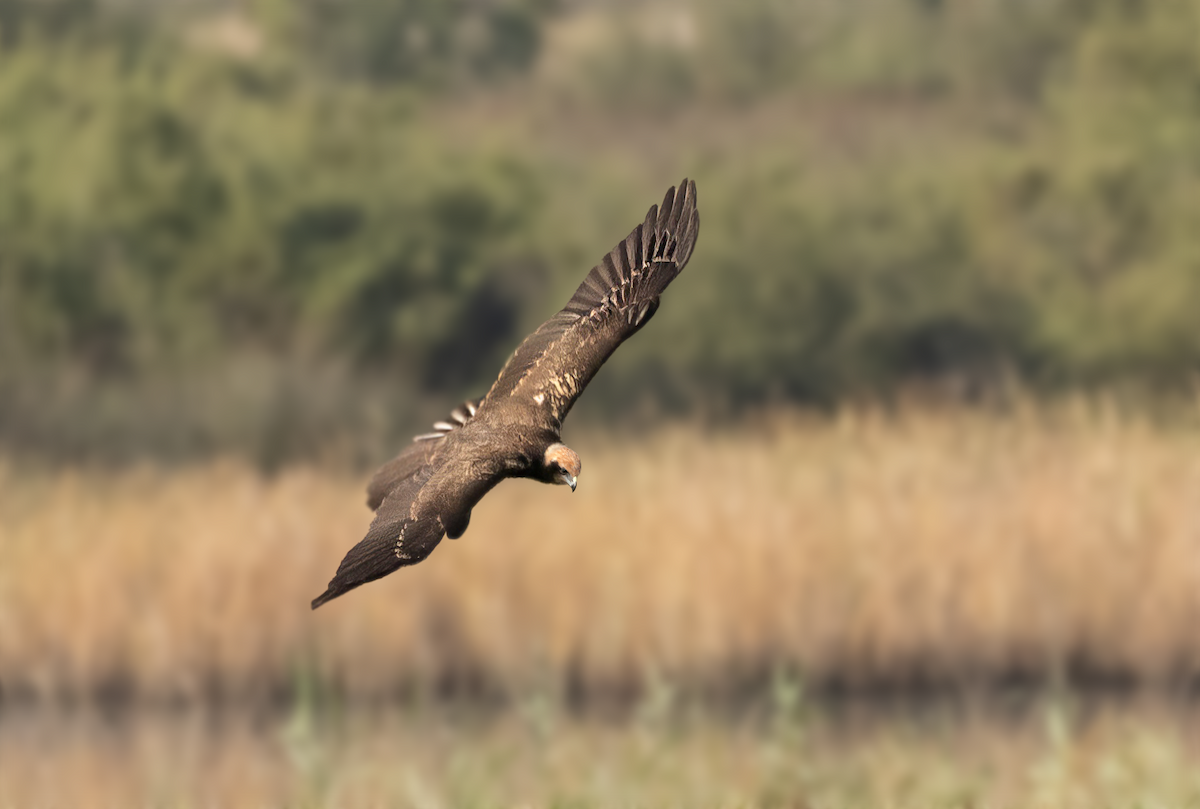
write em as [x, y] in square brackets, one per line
[420, 496]
[417, 455]
[402, 533]
[413, 518]
[616, 298]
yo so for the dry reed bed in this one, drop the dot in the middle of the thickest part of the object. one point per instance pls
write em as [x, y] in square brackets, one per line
[862, 549]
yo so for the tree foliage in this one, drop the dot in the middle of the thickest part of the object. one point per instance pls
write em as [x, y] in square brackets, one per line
[158, 214]
[1020, 203]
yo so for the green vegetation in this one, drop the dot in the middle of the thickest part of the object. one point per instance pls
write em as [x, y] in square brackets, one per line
[1043, 757]
[232, 230]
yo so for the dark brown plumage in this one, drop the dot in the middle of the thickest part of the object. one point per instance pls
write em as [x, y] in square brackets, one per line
[428, 491]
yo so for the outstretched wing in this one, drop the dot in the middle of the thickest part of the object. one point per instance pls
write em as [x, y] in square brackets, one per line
[619, 296]
[405, 530]
[418, 496]
[417, 455]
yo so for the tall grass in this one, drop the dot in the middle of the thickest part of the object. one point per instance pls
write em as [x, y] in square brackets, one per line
[861, 549]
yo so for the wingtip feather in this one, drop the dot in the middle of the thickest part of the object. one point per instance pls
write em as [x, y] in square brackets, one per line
[633, 274]
[650, 224]
[328, 595]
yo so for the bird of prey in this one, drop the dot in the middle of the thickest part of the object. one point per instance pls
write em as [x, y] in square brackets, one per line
[429, 489]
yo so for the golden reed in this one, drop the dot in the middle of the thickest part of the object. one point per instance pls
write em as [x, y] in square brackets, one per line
[863, 548]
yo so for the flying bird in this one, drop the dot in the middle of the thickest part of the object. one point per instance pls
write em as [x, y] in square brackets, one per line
[429, 489]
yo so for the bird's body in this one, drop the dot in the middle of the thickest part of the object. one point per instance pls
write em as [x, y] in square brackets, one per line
[429, 489]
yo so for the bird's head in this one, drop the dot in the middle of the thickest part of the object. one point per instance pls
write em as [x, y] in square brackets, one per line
[561, 465]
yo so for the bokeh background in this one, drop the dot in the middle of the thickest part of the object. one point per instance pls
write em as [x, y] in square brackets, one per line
[897, 500]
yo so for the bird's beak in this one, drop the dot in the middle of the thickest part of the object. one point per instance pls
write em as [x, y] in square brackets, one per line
[571, 482]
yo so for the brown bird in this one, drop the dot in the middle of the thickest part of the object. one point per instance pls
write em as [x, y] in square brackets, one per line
[429, 489]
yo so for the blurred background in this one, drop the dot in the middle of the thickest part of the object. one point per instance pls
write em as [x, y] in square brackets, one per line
[894, 502]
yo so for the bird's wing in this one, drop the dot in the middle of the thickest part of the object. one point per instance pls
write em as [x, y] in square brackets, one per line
[414, 516]
[417, 455]
[619, 296]
[401, 534]
[418, 496]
